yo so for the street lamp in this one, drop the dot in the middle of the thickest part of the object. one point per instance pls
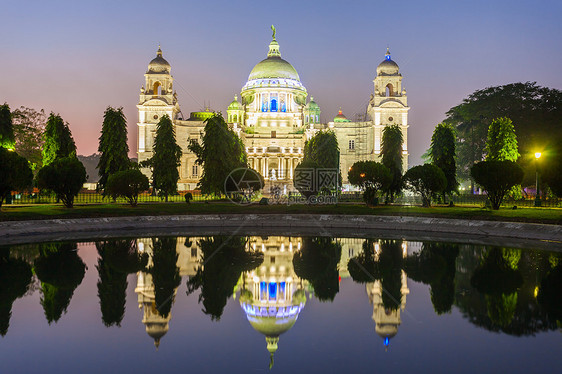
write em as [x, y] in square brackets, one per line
[537, 195]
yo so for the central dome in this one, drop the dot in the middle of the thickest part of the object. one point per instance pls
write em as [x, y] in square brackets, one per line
[274, 67]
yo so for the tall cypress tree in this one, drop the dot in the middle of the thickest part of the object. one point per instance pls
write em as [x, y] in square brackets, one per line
[502, 141]
[166, 158]
[391, 153]
[113, 145]
[58, 140]
[221, 152]
[442, 153]
[7, 138]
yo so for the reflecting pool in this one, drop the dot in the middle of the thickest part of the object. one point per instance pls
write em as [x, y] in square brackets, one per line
[285, 304]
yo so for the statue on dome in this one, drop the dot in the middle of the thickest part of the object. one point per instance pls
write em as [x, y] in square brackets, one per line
[273, 29]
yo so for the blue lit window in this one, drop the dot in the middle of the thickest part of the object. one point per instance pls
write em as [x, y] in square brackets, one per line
[263, 291]
[264, 107]
[272, 291]
[283, 106]
[274, 105]
[282, 290]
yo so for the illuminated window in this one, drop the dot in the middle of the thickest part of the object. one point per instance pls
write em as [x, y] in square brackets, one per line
[274, 105]
[195, 170]
[272, 291]
[352, 145]
[274, 134]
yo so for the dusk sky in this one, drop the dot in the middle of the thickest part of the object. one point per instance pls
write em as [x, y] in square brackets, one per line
[76, 58]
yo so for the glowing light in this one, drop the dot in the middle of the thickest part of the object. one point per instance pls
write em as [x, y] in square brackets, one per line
[536, 291]
[362, 175]
[386, 341]
[290, 247]
[282, 247]
[538, 155]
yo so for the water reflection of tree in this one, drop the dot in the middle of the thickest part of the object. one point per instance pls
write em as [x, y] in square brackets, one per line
[118, 258]
[435, 265]
[380, 260]
[317, 261]
[496, 289]
[165, 273]
[223, 261]
[550, 291]
[15, 278]
[60, 270]
[498, 278]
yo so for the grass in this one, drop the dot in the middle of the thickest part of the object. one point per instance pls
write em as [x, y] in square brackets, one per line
[43, 211]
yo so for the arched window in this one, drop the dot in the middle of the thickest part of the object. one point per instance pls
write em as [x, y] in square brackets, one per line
[157, 90]
[274, 105]
[389, 90]
[236, 118]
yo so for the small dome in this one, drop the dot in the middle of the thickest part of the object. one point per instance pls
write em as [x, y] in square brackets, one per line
[387, 67]
[312, 104]
[159, 64]
[385, 330]
[235, 105]
[341, 117]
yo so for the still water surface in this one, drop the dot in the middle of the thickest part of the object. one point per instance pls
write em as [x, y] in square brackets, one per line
[289, 304]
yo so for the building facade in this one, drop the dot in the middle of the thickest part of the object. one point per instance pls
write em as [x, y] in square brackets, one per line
[274, 118]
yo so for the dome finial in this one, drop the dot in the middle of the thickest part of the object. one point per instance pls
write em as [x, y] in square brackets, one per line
[273, 29]
[159, 51]
[387, 54]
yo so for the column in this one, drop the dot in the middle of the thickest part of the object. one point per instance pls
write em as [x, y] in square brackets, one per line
[266, 164]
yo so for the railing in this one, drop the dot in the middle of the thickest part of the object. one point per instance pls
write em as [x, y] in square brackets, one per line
[92, 197]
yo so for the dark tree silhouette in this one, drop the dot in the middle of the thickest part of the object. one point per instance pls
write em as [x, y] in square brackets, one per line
[15, 278]
[60, 270]
[118, 259]
[317, 262]
[224, 260]
[165, 273]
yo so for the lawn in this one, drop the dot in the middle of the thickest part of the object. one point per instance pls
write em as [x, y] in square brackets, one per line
[37, 212]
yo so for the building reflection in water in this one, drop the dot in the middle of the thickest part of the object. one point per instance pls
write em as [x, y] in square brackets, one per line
[272, 295]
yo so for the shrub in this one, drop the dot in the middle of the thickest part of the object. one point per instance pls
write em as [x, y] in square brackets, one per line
[127, 184]
[15, 173]
[371, 177]
[497, 178]
[427, 180]
[188, 197]
[65, 177]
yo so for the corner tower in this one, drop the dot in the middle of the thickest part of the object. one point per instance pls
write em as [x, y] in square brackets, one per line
[389, 104]
[156, 99]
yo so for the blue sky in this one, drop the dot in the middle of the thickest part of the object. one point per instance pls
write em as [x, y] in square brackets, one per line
[76, 58]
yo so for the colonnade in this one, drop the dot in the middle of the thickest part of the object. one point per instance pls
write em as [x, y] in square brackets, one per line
[284, 166]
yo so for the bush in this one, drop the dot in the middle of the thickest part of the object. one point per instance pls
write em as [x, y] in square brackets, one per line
[427, 180]
[65, 177]
[15, 173]
[127, 184]
[188, 197]
[371, 177]
[497, 178]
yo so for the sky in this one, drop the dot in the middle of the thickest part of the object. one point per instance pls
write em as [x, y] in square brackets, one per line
[77, 58]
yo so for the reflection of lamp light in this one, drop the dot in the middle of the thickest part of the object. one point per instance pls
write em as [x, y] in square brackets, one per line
[537, 195]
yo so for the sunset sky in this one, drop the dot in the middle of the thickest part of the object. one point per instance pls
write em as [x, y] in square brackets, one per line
[76, 58]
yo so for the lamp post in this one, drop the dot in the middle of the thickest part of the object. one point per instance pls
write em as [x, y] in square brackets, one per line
[537, 195]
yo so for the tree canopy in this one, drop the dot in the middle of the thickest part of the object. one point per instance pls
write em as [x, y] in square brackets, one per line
[7, 138]
[427, 180]
[442, 154]
[65, 177]
[502, 141]
[58, 141]
[536, 113]
[165, 158]
[29, 125]
[497, 178]
[113, 147]
[15, 173]
[391, 153]
[221, 152]
[371, 177]
[127, 184]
